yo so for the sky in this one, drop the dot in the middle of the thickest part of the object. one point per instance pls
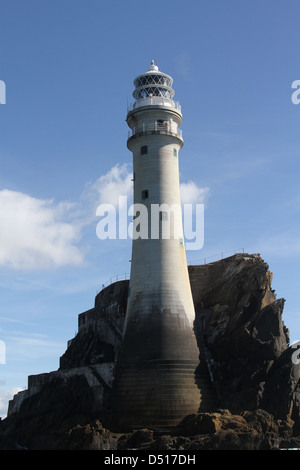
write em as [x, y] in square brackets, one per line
[68, 67]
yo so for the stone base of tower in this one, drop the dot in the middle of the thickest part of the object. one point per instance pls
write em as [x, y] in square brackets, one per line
[156, 377]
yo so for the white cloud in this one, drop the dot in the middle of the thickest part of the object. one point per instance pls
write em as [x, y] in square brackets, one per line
[109, 187]
[34, 233]
[5, 396]
[40, 234]
[118, 182]
[190, 193]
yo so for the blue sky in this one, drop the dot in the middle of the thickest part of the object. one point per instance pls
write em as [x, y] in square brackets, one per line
[69, 66]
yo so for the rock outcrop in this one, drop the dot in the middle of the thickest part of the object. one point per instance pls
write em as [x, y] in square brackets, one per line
[249, 382]
[240, 323]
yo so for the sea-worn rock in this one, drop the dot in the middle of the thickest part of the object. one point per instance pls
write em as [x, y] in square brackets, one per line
[244, 350]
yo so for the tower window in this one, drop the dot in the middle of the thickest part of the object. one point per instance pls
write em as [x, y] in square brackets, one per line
[144, 150]
[175, 153]
[145, 194]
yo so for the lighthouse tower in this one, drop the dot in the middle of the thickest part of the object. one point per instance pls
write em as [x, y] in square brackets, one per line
[155, 380]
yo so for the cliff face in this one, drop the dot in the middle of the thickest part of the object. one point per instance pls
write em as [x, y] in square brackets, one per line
[245, 366]
[239, 322]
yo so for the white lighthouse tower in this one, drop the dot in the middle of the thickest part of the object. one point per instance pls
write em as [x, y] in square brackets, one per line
[155, 381]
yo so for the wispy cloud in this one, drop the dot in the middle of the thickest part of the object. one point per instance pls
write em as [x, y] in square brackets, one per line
[293, 204]
[183, 64]
[13, 320]
[285, 244]
[234, 167]
[23, 347]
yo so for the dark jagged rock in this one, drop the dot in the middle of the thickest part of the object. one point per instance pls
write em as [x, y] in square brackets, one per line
[250, 385]
[246, 340]
[86, 349]
[282, 388]
[46, 416]
[204, 431]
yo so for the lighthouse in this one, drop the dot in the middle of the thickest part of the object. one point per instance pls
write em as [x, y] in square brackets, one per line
[155, 379]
